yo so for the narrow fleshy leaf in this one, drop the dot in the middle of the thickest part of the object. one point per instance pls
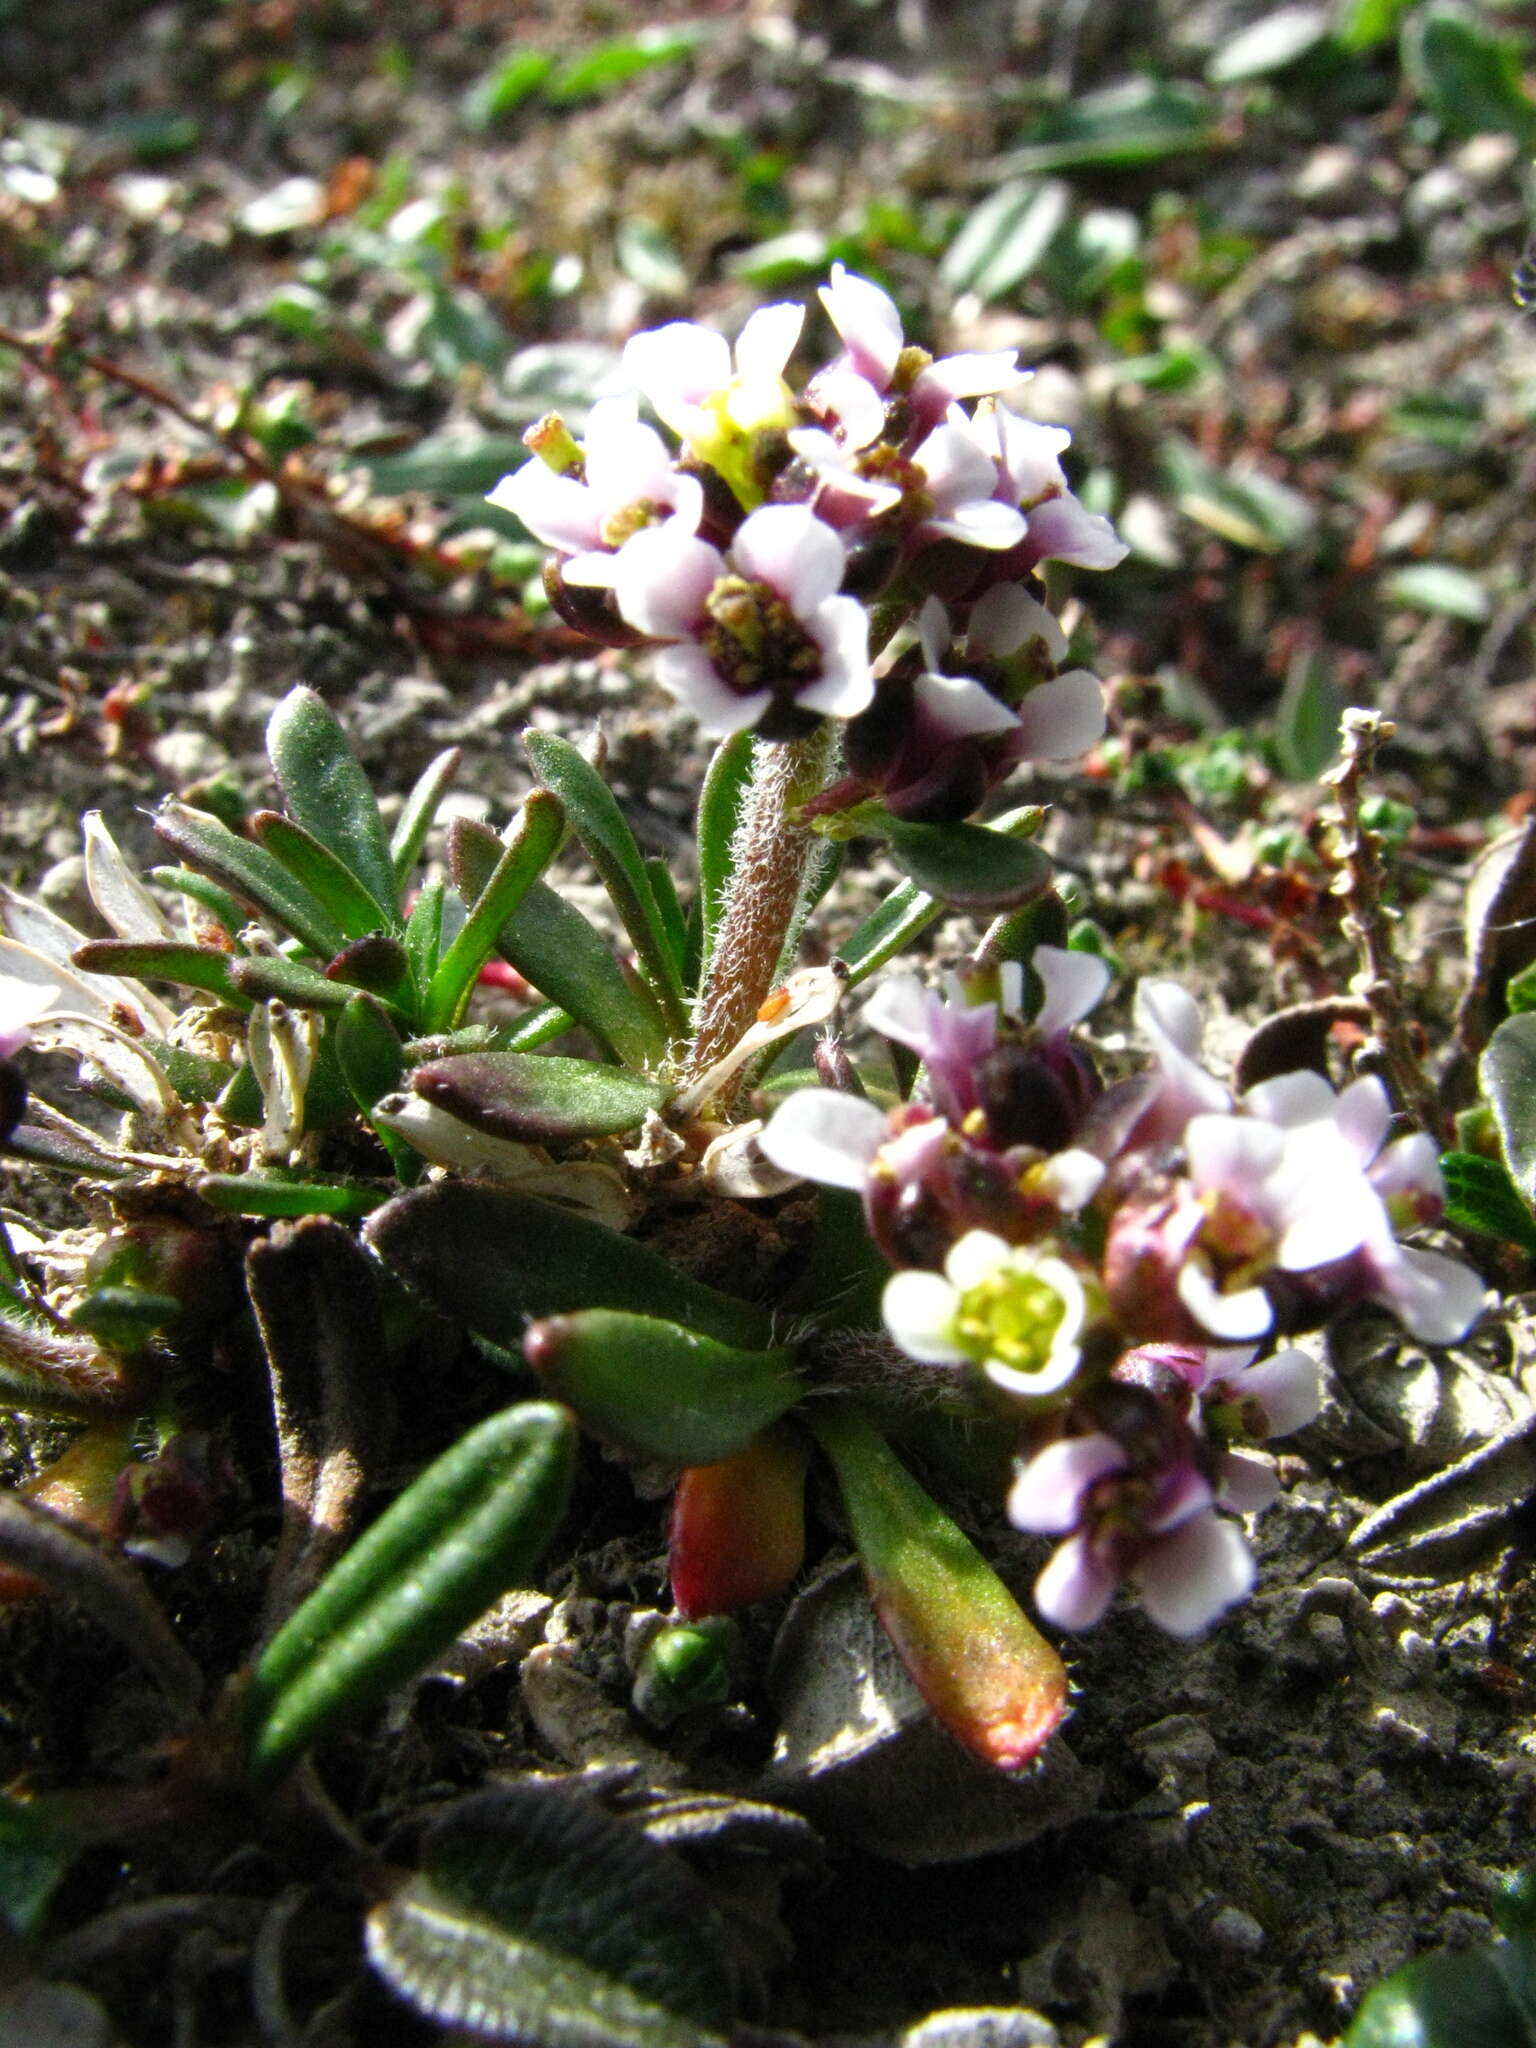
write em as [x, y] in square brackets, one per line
[375, 962]
[328, 879]
[540, 825]
[737, 1532]
[604, 832]
[327, 792]
[1507, 1072]
[251, 873]
[419, 811]
[115, 889]
[670, 910]
[888, 930]
[215, 902]
[273, 978]
[263, 1194]
[657, 1390]
[969, 866]
[493, 1259]
[539, 1918]
[368, 1047]
[473, 1524]
[544, 1022]
[984, 1670]
[720, 800]
[424, 935]
[560, 954]
[538, 1097]
[201, 967]
[583, 1185]
[1480, 1196]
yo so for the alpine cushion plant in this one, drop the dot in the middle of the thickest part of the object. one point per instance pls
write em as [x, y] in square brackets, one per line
[1061, 1286]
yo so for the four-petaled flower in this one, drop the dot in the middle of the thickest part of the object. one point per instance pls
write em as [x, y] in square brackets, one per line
[1014, 1312]
[756, 638]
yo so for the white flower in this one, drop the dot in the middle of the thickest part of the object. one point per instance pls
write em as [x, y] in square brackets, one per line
[23, 1005]
[758, 635]
[1014, 1311]
[629, 486]
[699, 386]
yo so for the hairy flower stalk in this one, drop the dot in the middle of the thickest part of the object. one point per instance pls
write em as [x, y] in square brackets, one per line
[770, 861]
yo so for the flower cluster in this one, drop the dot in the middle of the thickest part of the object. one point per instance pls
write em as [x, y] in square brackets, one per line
[1105, 1260]
[750, 559]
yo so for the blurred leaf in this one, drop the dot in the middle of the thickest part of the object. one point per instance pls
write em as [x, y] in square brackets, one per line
[1439, 587]
[152, 138]
[1364, 24]
[448, 464]
[555, 376]
[1242, 504]
[1174, 368]
[1307, 719]
[1507, 1075]
[1139, 122]
[969, 866]
[656, 1390]
[648, 257]
[461, 331]
[1270, 44]
[612, 63]
[1091, 251]
[505, 86]
[1003, 241]
[1444, 2000]
[539, 1919]
[1479, 1195]
[783, 260]
[473, 1524]
[493, 1259]
[538, 1097]
[1467, 74]
[33, 1858]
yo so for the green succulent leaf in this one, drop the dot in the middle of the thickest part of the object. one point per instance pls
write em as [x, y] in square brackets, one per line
[657, 1390]
[329, 880]
[560, 954]
[474, 1523]
[203, 967]
[539, 1918]
[1468, 74]
[539, 828]
[268, 978]
[1479, 1195]
[888, 930]
[982, 1667]
[1507, 1072]
[969, 866]
[251, 873]
[419, 811]
[604, 832]
[217, 902]
[270, 1194]
[538, 1097]
[494, 1259]
[1446, 2000]
[424, 933]
[327, 793]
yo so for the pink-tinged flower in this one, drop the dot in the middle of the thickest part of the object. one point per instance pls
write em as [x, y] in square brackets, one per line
[627, 485]
[934, 743]
[1235, 1401]
[958, 483]
[869, 327]
[1156, 1527]
[757, 638]
[708, 393]
[950, 1036]
[1013, 1311]
[1027, 473]
[1149, 1113]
